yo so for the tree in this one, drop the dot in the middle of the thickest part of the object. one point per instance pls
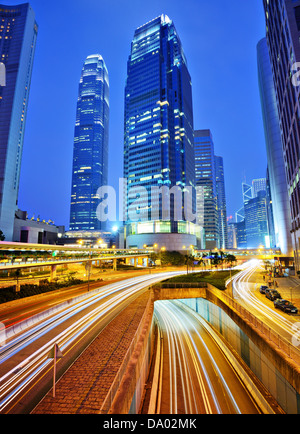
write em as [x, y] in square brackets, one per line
[154, 257]
[172, 258]
[189, 261]
[231, 259]
[2, 236]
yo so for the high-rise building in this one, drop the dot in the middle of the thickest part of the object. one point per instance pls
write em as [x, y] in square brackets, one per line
[90, 156]
[283, 32]
[221, 202]
[270, 212]
[281, 234]
[159, 142]
[247, 193]
[205, 165]
[18, 35]
[241, 235]
[256, 222]
[258, 185]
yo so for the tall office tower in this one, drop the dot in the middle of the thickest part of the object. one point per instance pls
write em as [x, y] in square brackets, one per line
[221, 201]
[256, 222]
[241, 235]
[159, 145]
[18, 35]
[90, 157]
[283, 32]
[276, 166]
[206, 179]
[258, 185]
[232, 235]
[247, 194]
[270, 213]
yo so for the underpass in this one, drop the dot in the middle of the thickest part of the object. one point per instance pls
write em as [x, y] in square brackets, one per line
[126, 394]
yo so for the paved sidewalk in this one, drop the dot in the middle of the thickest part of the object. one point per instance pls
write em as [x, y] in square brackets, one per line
[83, 388]
[288, 287]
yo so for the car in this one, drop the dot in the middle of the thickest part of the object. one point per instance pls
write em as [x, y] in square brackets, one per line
[273, 295]
[263, 289]
[285, 305]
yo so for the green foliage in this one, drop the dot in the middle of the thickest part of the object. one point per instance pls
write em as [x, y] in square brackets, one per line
[172, 258]
[217, 278]
[10, 294]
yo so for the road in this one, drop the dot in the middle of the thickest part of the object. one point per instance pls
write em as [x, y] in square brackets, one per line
[25, 369]
[246, 291]
[196, 377]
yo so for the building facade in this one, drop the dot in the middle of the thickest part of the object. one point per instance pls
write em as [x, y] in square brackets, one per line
[159, 144]
[90, 156]
[18, 35]
[256, 222]
[221, 202]
[207, 208]
[281, 232]
[258, 184]
[36, 231]
[283, 32]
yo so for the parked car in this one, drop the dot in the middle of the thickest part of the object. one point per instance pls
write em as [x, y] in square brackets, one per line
[263, 289]
[285, 305]
[273, 295]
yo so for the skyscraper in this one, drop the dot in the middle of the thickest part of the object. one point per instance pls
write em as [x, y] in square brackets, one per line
[258, 184]
[206, 179]
[283, 32]
[90, 157]
[247, 193]
[221, 202]
[159, 143]
[18, 35]
[276, 166]
[256, 221]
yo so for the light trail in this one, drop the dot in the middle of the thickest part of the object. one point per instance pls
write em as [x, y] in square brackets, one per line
[196, 381]
[16, 379]
[242, 288]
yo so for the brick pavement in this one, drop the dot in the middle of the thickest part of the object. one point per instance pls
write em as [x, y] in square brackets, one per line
[83, 388]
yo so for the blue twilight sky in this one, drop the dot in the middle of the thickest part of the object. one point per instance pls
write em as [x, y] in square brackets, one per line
[219, 39]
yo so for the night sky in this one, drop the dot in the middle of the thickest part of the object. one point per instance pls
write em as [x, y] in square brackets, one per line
[219, 39]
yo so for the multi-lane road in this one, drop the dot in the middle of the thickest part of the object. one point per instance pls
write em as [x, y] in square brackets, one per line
[246, 291]
[194, 374]
[25, 369]
[197, 377]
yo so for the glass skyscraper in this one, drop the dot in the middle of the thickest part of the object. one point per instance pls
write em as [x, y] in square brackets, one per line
[256, 221]
[207, 201]
[221, 201]
[159, 144]
[274, 146]
[90, 158]
[18, 35]
[283, 33]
